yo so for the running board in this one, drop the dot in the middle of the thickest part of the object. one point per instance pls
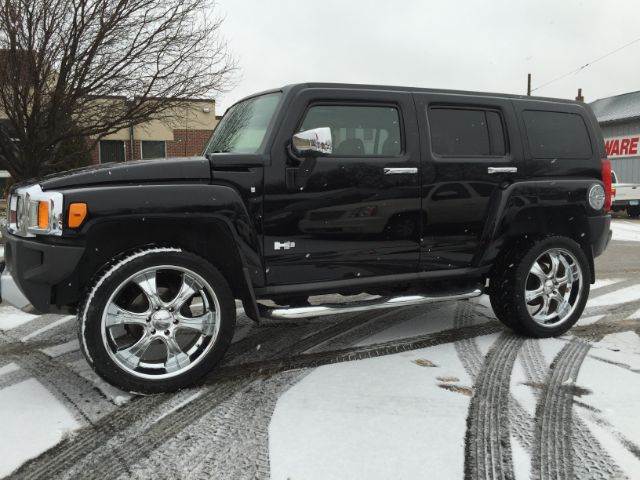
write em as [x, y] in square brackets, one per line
[308, 311]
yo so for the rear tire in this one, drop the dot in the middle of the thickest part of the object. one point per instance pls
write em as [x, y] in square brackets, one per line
[540, 287]
[156, 320]
[633, 212]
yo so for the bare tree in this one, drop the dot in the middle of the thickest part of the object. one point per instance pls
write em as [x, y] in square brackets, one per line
[72, 70]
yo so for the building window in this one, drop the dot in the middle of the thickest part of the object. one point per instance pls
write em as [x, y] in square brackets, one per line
[153, 149]
[111, 151]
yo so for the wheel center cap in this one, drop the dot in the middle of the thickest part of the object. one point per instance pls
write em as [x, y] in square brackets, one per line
[548, 286]
[161, 319]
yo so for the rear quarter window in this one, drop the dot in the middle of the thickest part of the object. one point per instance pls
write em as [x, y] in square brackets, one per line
[556, 134]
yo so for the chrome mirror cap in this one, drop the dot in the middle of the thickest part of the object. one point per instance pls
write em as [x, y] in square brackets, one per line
[316, 141]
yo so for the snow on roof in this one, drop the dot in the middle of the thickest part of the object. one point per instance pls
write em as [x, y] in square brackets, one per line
[617, 108]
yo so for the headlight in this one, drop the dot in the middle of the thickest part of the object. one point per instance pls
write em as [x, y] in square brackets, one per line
[33, 212]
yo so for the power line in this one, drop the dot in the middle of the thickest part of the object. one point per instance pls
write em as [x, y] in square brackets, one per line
[588, 64]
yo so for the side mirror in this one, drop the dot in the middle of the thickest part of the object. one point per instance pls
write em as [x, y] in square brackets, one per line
[312, 143]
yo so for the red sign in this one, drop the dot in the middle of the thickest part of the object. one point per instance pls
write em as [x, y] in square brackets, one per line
[619, 147]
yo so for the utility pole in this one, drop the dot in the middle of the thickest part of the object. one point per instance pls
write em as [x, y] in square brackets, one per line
[580, 98]
[528, 84]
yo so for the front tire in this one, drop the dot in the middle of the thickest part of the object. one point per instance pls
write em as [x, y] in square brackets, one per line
[540, 288]
[156, 321]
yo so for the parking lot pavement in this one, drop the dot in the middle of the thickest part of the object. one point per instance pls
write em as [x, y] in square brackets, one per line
[442, 389]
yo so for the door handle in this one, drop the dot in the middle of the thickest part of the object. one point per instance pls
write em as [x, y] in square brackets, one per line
[492, 170]
[400, 170]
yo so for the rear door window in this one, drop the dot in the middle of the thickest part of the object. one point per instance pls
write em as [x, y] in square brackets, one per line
[556, 134]
[460, 132]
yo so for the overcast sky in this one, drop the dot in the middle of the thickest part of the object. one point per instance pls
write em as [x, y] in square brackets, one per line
[486, 45]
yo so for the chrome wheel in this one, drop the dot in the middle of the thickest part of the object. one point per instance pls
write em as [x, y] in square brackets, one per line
[161, 322]
[553, 287]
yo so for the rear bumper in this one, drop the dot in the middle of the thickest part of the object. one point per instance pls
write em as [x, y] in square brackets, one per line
[599, 233]
[37, 268]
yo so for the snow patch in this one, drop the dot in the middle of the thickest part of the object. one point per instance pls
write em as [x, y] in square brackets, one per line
[613, 393]
[48, 327]
[57, 350]
[625, 231]
[9, 368]
[32, 420]
[378, 418]
[589, 320]
[11, 317]
[628, 294]
[521, 460]
[605, 282]
[117, 396]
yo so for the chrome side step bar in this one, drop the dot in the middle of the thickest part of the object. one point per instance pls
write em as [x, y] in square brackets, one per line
[308, 311]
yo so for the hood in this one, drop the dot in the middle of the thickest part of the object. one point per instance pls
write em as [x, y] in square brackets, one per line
[163, 169]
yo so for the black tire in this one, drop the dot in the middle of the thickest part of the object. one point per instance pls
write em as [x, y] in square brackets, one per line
[633, 212]
[508, 281]
[91, 310]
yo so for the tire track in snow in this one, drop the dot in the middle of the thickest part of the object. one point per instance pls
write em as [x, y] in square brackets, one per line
[487, 441]
[521, 423]
[142, 445]
[591, 459]
[553, 457]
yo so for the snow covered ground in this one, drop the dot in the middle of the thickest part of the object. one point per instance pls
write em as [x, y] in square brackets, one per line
[626, 231]
[439, 391]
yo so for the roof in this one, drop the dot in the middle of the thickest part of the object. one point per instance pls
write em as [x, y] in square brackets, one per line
[618, 108]
[301, 86]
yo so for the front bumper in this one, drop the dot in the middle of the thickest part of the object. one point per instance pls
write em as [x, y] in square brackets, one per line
[38, 268]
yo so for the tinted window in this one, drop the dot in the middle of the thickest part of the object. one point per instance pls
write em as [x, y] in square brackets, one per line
[358, 131]
[153, 149]
[462, 133]
[556, 135]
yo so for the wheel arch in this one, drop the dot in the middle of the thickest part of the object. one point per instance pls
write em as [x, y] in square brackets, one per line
[211, 238]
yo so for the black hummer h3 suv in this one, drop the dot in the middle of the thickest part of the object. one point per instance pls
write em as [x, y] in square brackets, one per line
[410, 195]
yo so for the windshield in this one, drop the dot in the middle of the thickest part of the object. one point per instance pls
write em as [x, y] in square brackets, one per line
[243, 128]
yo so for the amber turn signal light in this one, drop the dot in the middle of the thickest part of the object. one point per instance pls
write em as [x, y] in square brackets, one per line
[77, 214]
[43, 214]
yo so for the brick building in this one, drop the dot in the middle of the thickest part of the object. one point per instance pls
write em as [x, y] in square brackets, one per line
[184, 135]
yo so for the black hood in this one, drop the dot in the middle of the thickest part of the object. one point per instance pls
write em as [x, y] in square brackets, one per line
[163, 169]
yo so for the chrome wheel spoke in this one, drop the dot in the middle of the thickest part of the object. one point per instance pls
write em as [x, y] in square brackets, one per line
[133, 354]
[147, 283]
[187, 290]
[176, 358]
[119, 316]
[536, 269]
[544, 309]
[555, 263]
[531, 295]
[204, 324]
